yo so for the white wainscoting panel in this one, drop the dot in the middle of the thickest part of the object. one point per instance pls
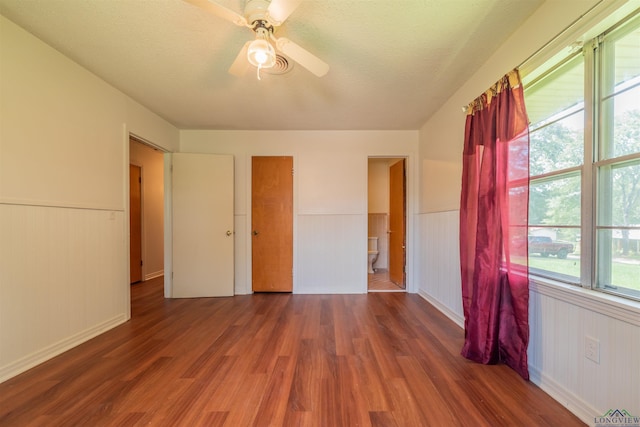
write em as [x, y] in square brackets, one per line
[331, 254]
[558, 362]
[438, 262]
[62, 280]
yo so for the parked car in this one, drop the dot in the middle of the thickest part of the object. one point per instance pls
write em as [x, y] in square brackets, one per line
[544, 246]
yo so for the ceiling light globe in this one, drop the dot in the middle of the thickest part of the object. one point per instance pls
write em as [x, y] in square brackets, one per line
[261, 54]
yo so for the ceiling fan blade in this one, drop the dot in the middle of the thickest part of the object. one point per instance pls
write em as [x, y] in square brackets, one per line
[240, 64]
[303, 57]
[279, 10]
[221, 11]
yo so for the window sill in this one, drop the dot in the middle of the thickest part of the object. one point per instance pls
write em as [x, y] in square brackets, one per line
[609, 305]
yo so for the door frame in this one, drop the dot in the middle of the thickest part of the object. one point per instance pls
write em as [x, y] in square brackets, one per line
[410, 188]
[253, 211]
[168, 228]
[247, 224]
[127, 137]
[403, 186]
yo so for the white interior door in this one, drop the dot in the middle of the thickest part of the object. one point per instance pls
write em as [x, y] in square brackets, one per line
[202, 223]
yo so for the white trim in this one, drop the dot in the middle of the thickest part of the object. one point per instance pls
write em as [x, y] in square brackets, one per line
[565, 397]
[388, 290]
[126, 200]
[609, 305]
[49, 352]
[168, 227]
[145, 141]
[453, 316]
[248, 161]
[59, 204]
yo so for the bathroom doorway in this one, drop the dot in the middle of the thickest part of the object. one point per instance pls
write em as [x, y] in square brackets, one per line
[386, 258]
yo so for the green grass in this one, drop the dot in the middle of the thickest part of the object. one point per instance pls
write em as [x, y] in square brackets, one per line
[625, 275]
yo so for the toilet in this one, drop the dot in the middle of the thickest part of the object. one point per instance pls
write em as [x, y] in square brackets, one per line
[373, 254]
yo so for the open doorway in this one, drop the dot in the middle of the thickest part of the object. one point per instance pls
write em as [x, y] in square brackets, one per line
[386, 258]
[146, 212]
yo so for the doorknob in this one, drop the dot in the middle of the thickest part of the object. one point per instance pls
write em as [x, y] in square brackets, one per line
[255, 232]
[229, 233]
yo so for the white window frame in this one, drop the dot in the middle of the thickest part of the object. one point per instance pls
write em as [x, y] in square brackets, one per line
[589, 169]
[599, 128]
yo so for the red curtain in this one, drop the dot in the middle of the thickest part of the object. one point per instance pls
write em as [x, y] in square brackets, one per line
[493, 227]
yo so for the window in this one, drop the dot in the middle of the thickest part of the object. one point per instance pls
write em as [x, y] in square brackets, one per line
[584, 202]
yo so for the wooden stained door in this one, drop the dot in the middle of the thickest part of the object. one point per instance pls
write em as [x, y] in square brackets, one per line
[272, 224]
[202, 225]
[135, 222]
[397, 227]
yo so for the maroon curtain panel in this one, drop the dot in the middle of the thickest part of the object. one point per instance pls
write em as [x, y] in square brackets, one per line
[493, 227]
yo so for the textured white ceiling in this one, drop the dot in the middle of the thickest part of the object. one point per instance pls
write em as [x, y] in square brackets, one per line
[393, 62]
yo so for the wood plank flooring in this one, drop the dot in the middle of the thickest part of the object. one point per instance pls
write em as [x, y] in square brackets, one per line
[379, 359]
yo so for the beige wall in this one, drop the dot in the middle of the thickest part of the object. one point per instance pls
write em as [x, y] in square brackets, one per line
[378, 185]
[330, 197]
[63, 200]
[151, 162]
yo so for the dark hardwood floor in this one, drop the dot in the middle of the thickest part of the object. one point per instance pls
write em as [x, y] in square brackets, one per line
[379, 359]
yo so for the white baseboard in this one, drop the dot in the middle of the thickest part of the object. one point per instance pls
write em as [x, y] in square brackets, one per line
[21, 365]
[457, 319]
[573, 403]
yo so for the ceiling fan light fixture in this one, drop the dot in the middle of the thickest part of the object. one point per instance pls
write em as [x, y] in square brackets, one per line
[263, 17]
[261, 54]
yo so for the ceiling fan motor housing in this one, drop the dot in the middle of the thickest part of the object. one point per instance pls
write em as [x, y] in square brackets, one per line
[257, 11]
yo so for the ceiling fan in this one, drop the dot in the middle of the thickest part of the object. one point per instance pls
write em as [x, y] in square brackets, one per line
[264, 17]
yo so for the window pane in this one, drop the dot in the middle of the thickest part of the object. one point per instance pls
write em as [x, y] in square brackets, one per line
[555, 201]
[555, 253]
[557, 146]
[560, 91]
[626, 122]
[621, 94]
[621, 52]
[554, 227]
[621, 126]
[619, 194]
[619, 260]
[618, 238]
